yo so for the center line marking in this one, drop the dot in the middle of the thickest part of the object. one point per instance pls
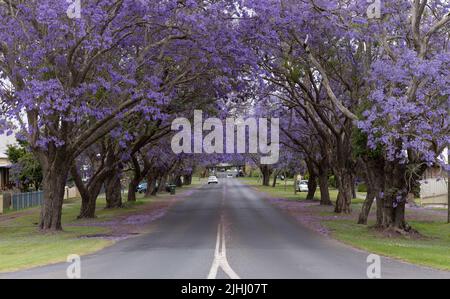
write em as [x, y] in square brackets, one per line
[220, 253]
[220, 257]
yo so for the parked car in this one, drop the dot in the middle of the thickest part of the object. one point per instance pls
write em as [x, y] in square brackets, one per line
[142, 188]
[213, 180]
[302, 186]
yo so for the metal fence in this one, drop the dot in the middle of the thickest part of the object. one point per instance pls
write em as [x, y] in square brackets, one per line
[22, 201]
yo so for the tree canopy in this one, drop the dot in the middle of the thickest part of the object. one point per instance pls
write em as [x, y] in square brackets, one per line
[352, 91]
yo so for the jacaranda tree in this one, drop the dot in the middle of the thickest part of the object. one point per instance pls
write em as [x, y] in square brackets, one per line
[68, 82]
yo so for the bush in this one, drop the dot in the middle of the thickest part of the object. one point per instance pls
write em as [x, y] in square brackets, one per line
[332, 182]
[362, 187]
[256, 173]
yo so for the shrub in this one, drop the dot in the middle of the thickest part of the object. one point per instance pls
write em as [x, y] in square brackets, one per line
[362, 187]
[332, 181]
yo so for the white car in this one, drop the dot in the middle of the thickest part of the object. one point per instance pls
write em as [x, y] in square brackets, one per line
[302, 186]
[213, 180]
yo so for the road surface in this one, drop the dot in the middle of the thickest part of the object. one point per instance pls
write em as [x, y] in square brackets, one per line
[229, 231]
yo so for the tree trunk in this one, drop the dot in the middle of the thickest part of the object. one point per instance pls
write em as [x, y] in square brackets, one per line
[154, 186]
[344, 181]
[373, 171]
[113, 191]
[151, 185]
[188, 179]
[89, 200]
[90, 193]
[312, 186]
[344, 169]
[162, 183]
[380, 204]
[274, 182]
[132, 186]
[324, 189]
[265, 171]
[367, 205]
[178, 181]
[88, 206]
[138, 176]
[395, 196]
[54, 181]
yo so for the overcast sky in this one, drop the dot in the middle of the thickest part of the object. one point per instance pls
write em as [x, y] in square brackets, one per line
[4, 141]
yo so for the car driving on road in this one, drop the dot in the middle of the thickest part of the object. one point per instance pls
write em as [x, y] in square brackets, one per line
[213, 180]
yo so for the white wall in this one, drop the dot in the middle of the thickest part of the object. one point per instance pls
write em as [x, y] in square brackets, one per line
[434, 191]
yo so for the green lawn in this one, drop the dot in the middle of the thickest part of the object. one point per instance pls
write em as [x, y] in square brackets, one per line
[431, 249]
[285, 189]
[22, 246]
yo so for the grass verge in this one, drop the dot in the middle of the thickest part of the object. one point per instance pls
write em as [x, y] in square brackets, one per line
[432, 249]
[22, 246]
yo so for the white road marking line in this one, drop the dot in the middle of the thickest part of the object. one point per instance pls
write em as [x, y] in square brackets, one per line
[215, 265]
[220, 257]
[220, 253]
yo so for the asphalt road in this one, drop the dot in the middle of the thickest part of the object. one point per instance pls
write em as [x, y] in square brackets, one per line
[228, 231]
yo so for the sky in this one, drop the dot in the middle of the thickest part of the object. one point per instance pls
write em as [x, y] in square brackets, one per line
[4, 141]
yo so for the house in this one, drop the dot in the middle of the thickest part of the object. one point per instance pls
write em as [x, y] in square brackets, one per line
[5, 165]
[434, 185]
